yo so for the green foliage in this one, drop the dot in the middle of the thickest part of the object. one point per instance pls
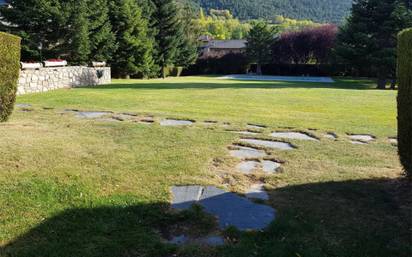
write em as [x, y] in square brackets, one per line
[78, 31]
[169, 32]
[187, 50]
[329, 11]
[9, 73]
[369, 37]
[133, 56]
[259, 47]
[405, 99]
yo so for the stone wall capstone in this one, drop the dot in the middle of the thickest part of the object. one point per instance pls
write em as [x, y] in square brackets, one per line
[46, 79]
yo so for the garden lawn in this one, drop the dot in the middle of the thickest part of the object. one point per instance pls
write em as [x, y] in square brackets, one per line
[78, 187]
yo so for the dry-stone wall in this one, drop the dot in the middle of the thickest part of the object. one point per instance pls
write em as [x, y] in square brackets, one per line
[45, 79]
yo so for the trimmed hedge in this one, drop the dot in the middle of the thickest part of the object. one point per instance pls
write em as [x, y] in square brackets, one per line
[405, 99]
[9, 73]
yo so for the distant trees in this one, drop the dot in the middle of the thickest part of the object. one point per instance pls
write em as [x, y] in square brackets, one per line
[369, 37]
[259, 44]
[312, 45]
[135, 37]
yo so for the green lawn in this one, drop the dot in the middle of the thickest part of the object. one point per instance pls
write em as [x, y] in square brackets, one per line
[73, 187]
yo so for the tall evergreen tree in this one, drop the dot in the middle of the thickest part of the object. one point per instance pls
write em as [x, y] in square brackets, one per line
[187, 50]
[259, 44]
[133, 56]
[80, 41]
[169, 32]
[369, 37]
[76, 30]
[102, 38]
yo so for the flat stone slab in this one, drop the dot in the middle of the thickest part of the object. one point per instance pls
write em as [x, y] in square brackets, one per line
[354, 142]
[270, 166]
[268, 144]
[278, 78]
[243, 152]
[91, 115]
[23, 105]
[293, 135]
[229, 208]
[248, 167]
[257, 191]
[360, 137]
[331, 135]
[393, 140]
[175, 123]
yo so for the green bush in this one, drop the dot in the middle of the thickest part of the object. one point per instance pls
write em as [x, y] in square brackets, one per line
[9, 73]
[405, 99]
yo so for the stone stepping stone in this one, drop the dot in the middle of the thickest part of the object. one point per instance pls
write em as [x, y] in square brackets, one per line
[91, 115]
[362, 137]
[243, 152]
[270, 166]
[255, 126]
[393, 140]
[23, 105]
[248, 167]
[257, 191]
[331, 135]
[176, 123]
[293, 135]
[269, 144]
[212, 240]
[229, 208]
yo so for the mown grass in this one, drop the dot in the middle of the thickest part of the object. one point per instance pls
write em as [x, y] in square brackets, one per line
[74, 187]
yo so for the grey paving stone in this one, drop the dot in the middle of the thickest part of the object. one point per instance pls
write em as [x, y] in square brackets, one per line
[360, 137]
[91, 115]
[175, 123]
[23, 105]
[293, 135]
[257, 191]
[355, 142]
[185, 196]
[248, 167]
[229, 208]
[247, 152]
[331, 135]
[270, 166]
[393, 140]
[269, 144]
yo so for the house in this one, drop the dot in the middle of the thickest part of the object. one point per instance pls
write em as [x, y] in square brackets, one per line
[219, 48]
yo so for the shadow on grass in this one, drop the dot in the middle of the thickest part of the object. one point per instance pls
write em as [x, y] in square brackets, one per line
[167, 84]
[351, 218]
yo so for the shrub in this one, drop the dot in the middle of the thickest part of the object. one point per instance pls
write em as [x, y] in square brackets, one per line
[405, 99]
[9, 73]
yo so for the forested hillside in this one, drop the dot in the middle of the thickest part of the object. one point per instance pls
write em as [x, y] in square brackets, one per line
[333, 11]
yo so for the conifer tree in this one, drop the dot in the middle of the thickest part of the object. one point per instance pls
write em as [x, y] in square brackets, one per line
[133, 56]
[187, 50]
[169, 33]
[80, 42]
[369, 37]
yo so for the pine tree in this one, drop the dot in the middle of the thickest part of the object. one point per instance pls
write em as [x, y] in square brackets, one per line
[259, 44]
[102, 38]
[187, 50]
[169, 33]
[369, 37]
[80, 42]
[133, 56]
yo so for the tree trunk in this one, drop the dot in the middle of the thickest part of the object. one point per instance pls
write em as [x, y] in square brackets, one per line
[381, 83]
[163, 72]
[259, 69]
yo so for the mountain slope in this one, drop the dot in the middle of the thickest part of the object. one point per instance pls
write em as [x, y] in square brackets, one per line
[333, 11]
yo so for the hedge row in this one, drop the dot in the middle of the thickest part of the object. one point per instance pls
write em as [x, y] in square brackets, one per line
[238, 64]
[405, 99]
[9, 73]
